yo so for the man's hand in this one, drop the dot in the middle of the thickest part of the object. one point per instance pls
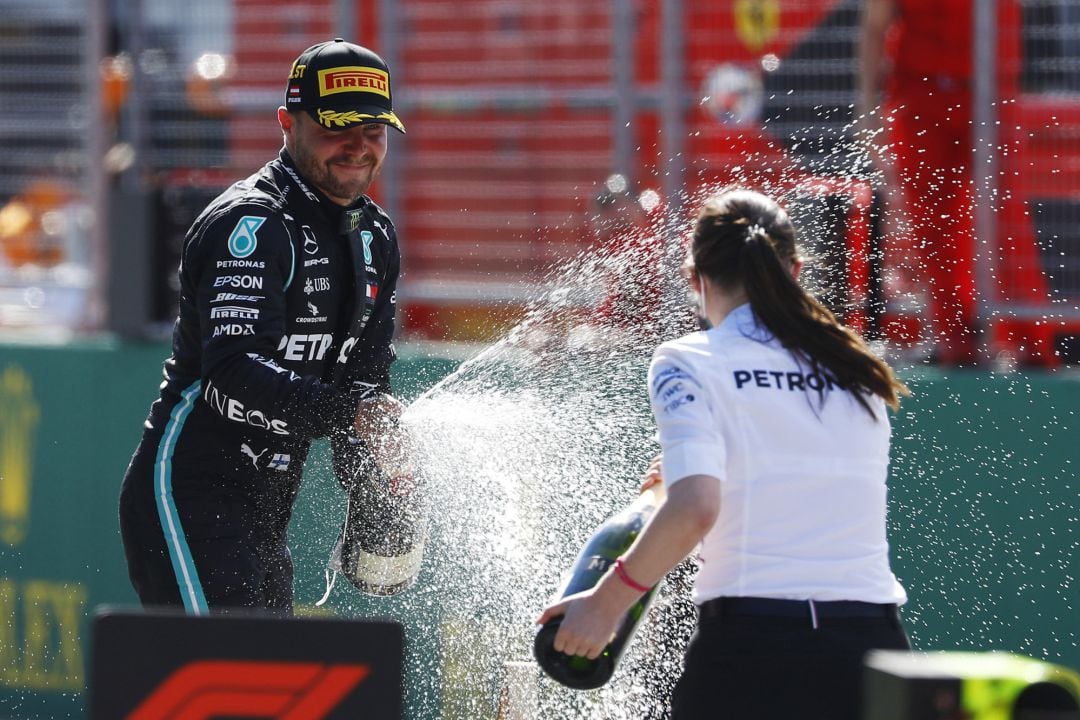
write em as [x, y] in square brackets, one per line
[376, 415]
[378, 426]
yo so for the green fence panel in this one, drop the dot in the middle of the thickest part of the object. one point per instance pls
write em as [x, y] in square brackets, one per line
[70, 417]
[984, 517]
[985, 514]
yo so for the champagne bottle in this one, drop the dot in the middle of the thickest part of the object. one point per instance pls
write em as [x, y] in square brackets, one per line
[380, 548]
[607, 543]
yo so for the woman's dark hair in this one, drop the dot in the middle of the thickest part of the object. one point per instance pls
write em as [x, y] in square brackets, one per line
[745, 239]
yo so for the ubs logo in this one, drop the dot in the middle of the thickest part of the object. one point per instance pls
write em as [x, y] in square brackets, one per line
[19, 415]
[319, 284]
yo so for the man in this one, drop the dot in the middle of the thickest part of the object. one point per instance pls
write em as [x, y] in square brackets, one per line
[915, 57]
[927, 97]
[284, 335]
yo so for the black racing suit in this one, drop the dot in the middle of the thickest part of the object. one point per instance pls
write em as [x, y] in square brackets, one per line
[286, 319]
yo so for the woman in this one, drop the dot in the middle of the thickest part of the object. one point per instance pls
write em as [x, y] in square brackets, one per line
[775, 443]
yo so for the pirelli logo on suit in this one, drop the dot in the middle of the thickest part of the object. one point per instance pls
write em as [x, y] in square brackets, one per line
[354, 79]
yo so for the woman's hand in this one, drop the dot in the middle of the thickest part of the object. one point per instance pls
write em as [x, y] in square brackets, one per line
[590, 619]
[652, 475]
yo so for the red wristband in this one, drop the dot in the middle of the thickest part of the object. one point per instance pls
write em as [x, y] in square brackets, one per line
[620, 572]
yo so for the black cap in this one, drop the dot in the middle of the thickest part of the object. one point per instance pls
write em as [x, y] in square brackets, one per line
[341, 85]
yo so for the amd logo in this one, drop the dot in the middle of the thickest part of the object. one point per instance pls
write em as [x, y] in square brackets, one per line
[233, 329]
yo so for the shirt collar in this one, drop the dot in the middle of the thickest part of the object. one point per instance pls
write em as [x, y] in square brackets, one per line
[742, 321]
[345, 219]
[739, 319]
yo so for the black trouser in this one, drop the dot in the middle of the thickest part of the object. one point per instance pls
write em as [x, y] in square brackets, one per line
[758, 659]
[205, 550]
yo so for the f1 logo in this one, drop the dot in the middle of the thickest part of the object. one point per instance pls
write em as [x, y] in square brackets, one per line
[205, 689]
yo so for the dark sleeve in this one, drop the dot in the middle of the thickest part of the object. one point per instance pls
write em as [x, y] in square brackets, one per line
[240, 267]
[368, 365]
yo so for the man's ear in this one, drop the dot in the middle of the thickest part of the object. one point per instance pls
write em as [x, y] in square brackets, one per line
[285, 120]
[796, 268]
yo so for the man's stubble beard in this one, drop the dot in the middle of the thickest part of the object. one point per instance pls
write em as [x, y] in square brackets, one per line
[321, 176]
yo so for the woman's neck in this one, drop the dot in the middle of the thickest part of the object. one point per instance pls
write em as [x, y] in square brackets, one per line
[719, 302]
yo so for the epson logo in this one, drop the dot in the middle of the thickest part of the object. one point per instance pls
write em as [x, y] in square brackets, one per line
[233, 312]
[259, 264]
[248, 282]
[233, 297]
[232, 409]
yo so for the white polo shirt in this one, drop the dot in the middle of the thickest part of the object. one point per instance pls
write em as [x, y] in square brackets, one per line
[802, 473]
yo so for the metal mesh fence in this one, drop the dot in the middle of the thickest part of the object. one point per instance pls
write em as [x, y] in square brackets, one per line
[516, 113]
[45, 163]
[1048, 172]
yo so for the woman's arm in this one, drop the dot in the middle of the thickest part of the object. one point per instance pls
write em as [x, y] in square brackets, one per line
[592, 617]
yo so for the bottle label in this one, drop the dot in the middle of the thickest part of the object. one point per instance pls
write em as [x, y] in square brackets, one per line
[599, 564]
[369, 569]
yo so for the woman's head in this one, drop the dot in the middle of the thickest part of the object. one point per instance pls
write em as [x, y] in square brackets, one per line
[744, 243]
[736, 231]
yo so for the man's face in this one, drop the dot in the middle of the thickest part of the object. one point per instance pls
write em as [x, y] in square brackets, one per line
[341, 163]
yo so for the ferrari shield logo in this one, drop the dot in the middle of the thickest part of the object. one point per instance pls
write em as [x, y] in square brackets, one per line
[756, 21]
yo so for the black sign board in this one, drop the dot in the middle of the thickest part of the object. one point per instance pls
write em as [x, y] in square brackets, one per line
[153, 665]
